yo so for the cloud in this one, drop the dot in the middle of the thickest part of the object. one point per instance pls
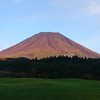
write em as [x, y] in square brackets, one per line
[59, 3]
[93, 8]
[17, 1]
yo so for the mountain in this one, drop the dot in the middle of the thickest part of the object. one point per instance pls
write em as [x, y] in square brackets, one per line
[45, 44]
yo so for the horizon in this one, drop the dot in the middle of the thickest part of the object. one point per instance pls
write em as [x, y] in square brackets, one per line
[75, 19]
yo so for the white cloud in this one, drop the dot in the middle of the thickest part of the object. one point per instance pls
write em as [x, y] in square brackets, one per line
[17, 1]
[93, 8]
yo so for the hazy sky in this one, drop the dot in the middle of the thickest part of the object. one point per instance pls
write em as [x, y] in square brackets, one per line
[77, 19]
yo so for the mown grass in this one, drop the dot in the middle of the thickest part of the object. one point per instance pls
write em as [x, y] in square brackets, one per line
[48, 89]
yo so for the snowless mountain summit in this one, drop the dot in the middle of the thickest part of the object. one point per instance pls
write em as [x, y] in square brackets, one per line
[46, 44]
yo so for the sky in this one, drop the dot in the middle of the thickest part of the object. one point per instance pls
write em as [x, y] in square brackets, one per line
[78, 20]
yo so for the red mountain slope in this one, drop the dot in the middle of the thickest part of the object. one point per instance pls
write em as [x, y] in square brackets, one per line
[47, 44]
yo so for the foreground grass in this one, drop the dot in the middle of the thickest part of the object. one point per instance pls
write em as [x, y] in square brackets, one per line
[44, 89]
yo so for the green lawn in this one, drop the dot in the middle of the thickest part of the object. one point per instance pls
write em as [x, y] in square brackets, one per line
[45, 89]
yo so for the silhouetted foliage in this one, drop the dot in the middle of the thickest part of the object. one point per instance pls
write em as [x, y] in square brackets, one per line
[51, 67]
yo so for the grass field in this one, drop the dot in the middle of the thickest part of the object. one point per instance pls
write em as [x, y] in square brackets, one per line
[44, 89]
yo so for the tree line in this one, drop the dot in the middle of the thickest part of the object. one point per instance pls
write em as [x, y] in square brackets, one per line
[51, 67]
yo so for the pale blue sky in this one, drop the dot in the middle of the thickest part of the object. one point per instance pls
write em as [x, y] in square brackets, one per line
[78, 20]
